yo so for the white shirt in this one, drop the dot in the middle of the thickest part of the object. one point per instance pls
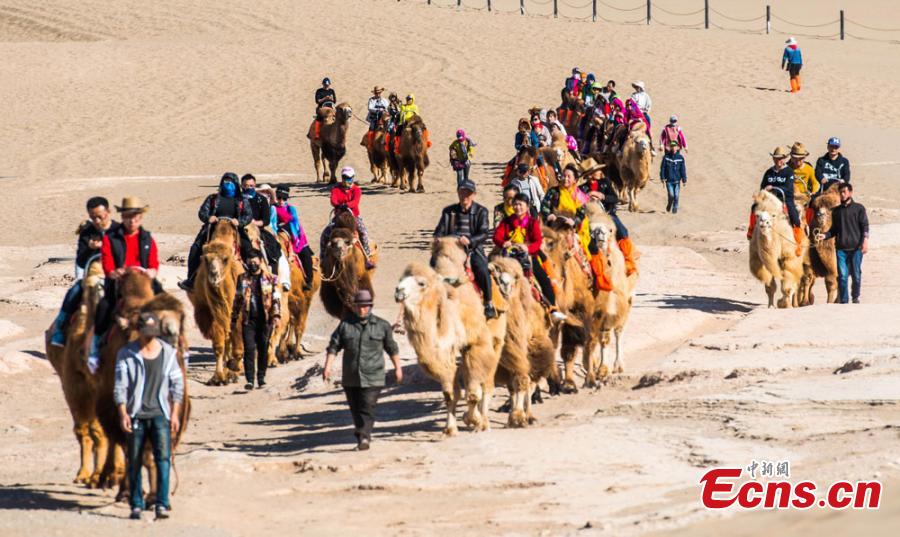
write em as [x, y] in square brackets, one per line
[377, 103]
[642, 99]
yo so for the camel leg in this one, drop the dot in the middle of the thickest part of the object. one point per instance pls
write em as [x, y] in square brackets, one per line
[101, 453]
[472, 417]
[567, 353]
[529, 416]
[118, 477]
[587, 359]
[219, 378]
[451, 397]
[619, 364]
[770, 291]
[602, 369]
[82, 431]
[485, 406]
[421, 186]
[317, 162]
[518, 391]
[831, 287]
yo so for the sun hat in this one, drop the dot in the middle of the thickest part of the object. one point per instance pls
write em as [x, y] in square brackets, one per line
[834, 141]
[781, 151]
[377, 89]
[589, 166]
[132, 204]
[790, 41]
[638, 84]
[363, 297]
[148, 324]
[348, 173]
[799, 150]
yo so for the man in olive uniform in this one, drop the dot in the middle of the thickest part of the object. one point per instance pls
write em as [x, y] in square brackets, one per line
[364, 338]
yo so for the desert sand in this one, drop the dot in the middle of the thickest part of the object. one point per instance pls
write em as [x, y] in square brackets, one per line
[158, 99]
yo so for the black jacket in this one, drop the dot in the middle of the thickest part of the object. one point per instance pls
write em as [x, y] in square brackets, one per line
[449, 225]
[117, 246]
[221, 207]
[364, 342]
[86, 233]
[849, 226]
[782, 179]
[829, 170]
[259, 208]
[604, 186]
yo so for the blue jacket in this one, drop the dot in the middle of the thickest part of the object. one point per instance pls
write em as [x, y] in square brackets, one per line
[672, 168]
[791, 55]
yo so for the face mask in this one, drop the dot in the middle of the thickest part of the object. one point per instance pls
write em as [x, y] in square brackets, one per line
[250, 191]
[229, 189]
[254, 267]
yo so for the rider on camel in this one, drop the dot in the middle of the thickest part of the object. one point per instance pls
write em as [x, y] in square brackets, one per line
[346, 195]
[601, 190]
[325, 98]
[284, 217]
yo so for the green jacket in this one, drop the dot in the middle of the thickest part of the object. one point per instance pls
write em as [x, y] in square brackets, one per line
[364, 342]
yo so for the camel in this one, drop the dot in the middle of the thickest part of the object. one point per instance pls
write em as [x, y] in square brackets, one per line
[528, 352]
[413, 155]
[331, 144]
[634, 165]
[574, 297]
[80, 387]
[296, 303]
[378, 153]
[821, 260]
[545, 173]
[213, 298]
[773, 256]
[442, 323]
[344, 269]
[611, 308]
[570, 112]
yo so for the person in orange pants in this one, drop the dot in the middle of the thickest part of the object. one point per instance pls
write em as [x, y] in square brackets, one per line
[792, 61]
[601, 190]
[779, 179]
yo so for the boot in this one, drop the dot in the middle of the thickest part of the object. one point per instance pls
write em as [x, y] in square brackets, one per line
[601, 278]
[58, 338]
[627, 248]
[93, 361]
[798, 238]
[752, 225]
[794, 88]
[798, 82]
[489, 311]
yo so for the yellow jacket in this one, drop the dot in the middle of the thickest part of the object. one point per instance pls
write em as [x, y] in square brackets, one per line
[407, 111]
[805, 179]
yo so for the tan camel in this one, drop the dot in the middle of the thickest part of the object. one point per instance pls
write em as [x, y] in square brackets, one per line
[574, 297]
[773, 256]
[297, 303]
[528, 352]
[444, 322]
[634, 165]
[80, 387]
[213, 299]
[413, 155]
[821, 260]
[611, 308]
[450, 262]
[344, 269]
[331, 145]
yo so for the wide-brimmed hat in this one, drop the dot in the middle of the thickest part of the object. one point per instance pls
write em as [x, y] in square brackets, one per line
[799, 150]
[131, 204]
[376, 89]
[781, 151]
[589, 166]
[790, 41]
[363, 297]
[638, 84]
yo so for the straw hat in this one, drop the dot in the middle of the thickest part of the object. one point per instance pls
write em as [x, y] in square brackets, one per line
[376, 89]
[638, 84]
[589, 166]
[132, 204]
[781, 151]
[799, 150]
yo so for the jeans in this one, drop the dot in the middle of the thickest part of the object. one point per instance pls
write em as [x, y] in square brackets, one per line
[256, 350]
[362, 403]
[673, 189]
[849, 265]
[621, 230]
[158, 430]
[463, 174]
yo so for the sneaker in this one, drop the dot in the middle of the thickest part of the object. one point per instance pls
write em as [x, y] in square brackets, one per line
[186, 285]
[489, 311]
[260, 383]
[162, 512]
[558, 315]
[856, 300]
[248, 386]
[286, 286]
[363, 445]
[135, 513]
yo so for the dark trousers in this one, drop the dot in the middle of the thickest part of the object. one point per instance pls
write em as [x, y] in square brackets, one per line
[543, 280]
[479, 263]
[463, 173]
[621, 230]
[849, 265]
[256, 350]
[306, 261]
[157, 429]
[72, 300]
[362, 403]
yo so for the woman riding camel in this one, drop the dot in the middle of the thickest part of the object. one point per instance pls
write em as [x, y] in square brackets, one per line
[346, 196]
[409, 110]
[519, 236]
[566, 203]
[284, 217]
[601, 190]
[393, 125]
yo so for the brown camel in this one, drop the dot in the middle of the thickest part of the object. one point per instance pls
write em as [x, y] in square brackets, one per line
[298, 302]
[331, 144]
[413, 155]
[449, 260]
[344, 267]
[379, 155]
[821, 260]
[611, 308]
[574, 297]
[634, 165]
[773, 257]
[444, 322]
[80, 387]
[528, 352]
[213, 299]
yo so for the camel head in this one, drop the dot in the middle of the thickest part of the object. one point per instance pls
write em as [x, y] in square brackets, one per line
[507, 273]
[415, 284]
[642, 143]
[170, 311]
[135, 288]
[344, 112]
[603, 233]
[764, 222]
[219, 259]
[339, 246]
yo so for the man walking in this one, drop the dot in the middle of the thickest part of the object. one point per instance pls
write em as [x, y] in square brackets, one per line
[850, 227]
[148, 393]
[257, 302]
[364, 338]
[673, 173]
[792, 62]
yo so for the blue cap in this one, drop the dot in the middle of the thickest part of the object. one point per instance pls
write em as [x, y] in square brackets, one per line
[835, 141]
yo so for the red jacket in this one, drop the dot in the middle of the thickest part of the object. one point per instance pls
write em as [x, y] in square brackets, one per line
[347, 196]
[533, 237]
